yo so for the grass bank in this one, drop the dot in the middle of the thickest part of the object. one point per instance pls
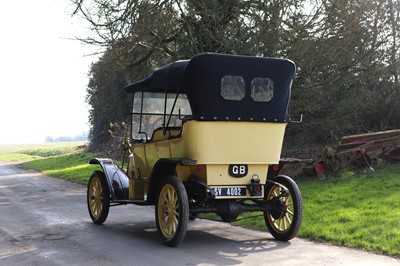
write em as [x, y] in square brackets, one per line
[73, 166]
[358, 210]
[10, 153]
[65, 160]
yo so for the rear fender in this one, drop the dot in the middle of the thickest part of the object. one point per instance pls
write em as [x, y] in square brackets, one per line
[118, 181]
[163, 168]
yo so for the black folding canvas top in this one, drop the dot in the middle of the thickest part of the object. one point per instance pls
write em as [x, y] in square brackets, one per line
[201, 79]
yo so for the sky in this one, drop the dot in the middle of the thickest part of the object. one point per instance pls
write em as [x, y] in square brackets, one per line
[43, 73]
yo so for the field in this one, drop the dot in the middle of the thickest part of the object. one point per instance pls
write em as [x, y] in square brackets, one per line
[354, 209]
[26, 152]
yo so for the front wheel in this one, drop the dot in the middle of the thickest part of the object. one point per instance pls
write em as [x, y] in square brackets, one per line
[284, 219]
[98, 197]
[172, 211]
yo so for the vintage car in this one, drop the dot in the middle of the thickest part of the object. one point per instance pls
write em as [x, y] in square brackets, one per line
[206, 137]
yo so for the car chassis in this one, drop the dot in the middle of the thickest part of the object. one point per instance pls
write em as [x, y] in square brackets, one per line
[206, 136]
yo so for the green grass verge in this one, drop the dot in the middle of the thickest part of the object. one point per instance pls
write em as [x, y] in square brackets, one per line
[354, 210]
[64, 160]
[359, 211]
[73, 166]
[13, 157]
[27, 152]
[10, 148]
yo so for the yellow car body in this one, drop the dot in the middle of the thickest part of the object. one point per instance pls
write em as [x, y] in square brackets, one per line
[214, 146]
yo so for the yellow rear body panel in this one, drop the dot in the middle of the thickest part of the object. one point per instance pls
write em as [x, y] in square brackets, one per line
[214, 145]
[233, 142]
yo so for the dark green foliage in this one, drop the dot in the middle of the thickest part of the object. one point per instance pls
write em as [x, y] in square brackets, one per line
[346, 54]
[108, 102]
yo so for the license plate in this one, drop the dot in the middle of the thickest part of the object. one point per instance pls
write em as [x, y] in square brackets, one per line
[230, 191]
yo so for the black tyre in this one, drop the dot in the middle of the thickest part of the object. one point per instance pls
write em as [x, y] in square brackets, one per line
[284, 221]
[172, 211]
[98, 197]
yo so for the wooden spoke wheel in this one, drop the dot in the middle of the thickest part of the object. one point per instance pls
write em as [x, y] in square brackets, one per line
[172, 211]
[98, 197]
[284, 220]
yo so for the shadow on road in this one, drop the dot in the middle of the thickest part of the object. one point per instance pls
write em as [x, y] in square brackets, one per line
[219, 242]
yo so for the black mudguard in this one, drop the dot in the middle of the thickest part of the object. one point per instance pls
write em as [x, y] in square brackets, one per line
[118, 181]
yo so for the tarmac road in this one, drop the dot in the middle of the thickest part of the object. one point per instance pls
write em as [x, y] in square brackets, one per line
[44, 221]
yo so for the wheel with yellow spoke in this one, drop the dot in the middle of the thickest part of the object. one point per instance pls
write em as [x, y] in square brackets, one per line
[172, 211]
[98, 197]
[284, 218]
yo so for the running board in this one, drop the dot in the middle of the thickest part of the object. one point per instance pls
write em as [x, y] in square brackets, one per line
[124, 202]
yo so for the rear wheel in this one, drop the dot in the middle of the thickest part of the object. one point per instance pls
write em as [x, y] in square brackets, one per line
[98, 197]
[284, 220]
[172, 211]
